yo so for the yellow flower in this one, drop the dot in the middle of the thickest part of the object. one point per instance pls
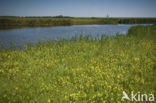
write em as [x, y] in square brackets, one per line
[16, 88]
[81, 86]
[104, 101]
[49, 101]
[136, 59]
[142, 80]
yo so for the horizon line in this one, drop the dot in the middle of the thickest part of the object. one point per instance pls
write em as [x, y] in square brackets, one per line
[62, 16]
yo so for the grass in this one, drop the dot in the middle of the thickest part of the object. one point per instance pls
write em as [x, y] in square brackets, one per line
[8, 22]
[143, 32]
[18, 21]
[85, 70]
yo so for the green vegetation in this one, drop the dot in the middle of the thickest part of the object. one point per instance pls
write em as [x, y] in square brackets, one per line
[6, 22]
[81, 71]
[34, 21]
[146, 32]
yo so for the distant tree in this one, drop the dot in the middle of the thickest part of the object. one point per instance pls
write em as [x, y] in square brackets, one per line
[59, 16]
[93, 17]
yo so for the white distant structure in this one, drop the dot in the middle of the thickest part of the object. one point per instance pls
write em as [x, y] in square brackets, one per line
[107, 16]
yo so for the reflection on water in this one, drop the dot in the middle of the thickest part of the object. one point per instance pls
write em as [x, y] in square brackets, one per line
[21, 36]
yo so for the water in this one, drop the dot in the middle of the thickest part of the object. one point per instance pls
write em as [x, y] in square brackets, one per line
[30, 35]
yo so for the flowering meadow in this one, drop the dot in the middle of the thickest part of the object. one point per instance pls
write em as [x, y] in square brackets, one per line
[79, 71]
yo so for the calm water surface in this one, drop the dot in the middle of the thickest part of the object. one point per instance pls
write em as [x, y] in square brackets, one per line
[20, 37]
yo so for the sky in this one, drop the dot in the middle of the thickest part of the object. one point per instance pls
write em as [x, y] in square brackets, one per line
[79, 8]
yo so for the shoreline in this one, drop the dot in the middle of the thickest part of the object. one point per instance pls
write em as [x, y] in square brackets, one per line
[11, 22]
[3, 27]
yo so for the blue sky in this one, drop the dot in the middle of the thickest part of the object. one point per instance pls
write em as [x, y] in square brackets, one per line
[79, 8]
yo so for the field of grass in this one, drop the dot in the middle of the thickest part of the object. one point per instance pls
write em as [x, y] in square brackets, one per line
[6, 22]
[81, 71]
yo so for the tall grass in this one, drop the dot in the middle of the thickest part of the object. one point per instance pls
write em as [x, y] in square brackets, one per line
[53, 21]
[143, 32]
[79, 70]
[34, 21]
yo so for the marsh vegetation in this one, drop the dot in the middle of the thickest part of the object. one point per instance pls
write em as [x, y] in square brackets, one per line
[6, 22]
[81, 69]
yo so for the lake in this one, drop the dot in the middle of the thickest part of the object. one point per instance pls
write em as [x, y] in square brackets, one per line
[20, 37]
